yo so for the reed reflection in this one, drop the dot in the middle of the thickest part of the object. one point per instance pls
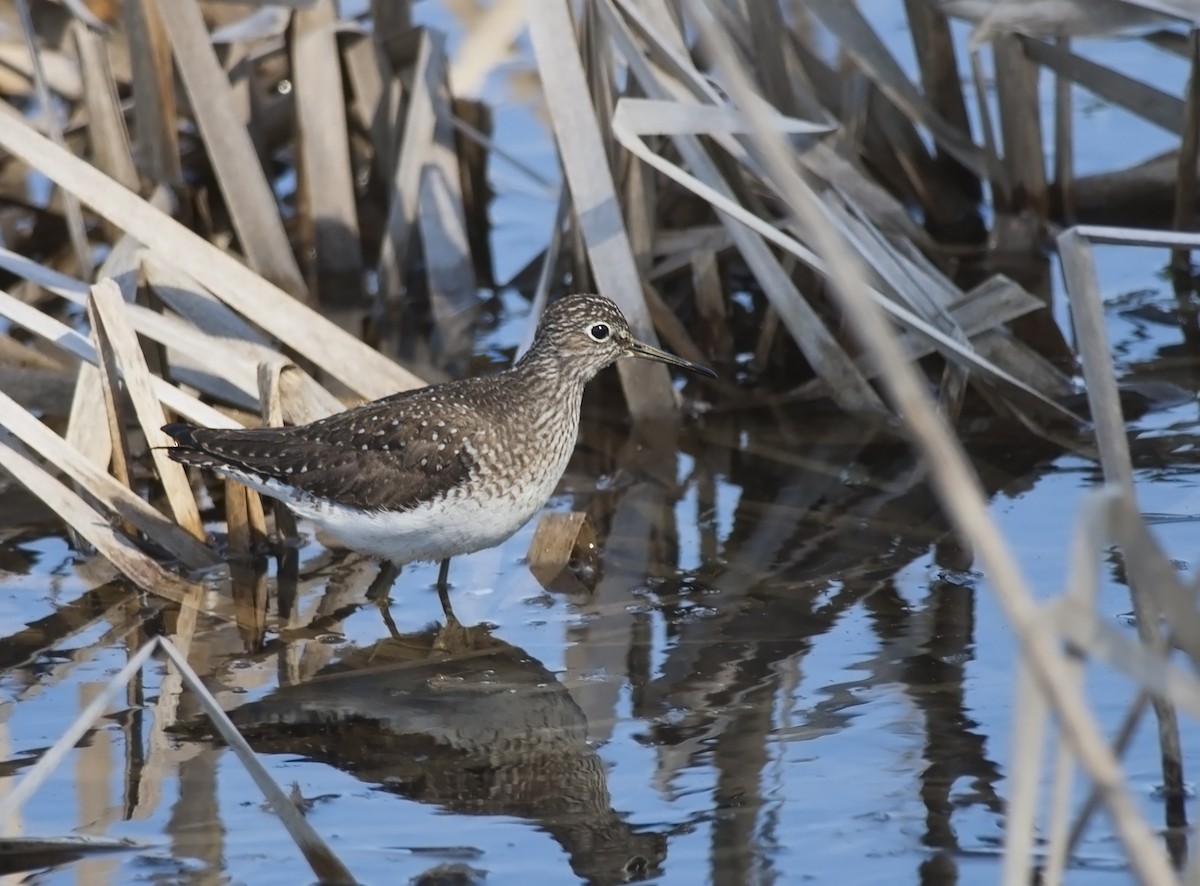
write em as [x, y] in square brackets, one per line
[818, 522]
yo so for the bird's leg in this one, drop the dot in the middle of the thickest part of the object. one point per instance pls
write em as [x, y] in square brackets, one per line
[379, 590]
[443, 589]
[452, 638]
[381, 585]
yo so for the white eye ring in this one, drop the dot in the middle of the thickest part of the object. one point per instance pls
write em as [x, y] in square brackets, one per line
[599, 331]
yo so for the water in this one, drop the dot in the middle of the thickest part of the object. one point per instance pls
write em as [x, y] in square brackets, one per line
[788, 670]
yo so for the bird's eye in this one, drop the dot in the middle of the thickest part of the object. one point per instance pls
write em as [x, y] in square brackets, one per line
[599, 332]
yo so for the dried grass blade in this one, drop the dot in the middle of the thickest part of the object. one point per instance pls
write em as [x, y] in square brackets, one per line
[1104, 234]
[89, 414]
[1088, 547]
[443, 224]
[1158, 107]
[115, 497]
[340, 354]
[71, 209]
[153, 91]
[87, 428]
[327, 180]
[1083, 290]
[72, 342]
[252, 206]
[109, 309]
[1159, 675]
[49, 762]
[116, 417]
[822, 350]
[324, 863]
[710, 303]
[871, 54]
[107, 135]
[221, 367]
[142, 570]
[1019, 105]
[630, 128]
[1031, 719]
[410, 159]
[270, 395]
[647, 386]
[237, 518]
[959, 490]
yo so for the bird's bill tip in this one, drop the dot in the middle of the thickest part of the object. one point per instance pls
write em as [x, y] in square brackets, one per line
[646, 352]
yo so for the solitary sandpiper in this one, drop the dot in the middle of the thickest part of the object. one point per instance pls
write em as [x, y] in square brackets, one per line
[443, 470]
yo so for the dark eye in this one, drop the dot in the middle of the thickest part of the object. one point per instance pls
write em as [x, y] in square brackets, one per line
[599, 332]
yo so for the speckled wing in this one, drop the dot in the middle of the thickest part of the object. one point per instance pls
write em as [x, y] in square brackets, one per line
[387, 455]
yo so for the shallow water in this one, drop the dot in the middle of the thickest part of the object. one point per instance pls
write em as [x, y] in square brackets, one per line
[788, 670]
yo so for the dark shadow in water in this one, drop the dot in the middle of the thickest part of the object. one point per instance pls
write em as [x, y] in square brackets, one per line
[467, 722]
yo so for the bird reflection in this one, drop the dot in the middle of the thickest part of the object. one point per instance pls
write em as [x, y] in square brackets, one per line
[470, 723]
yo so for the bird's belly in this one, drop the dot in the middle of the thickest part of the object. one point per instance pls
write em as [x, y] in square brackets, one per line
[430, 531]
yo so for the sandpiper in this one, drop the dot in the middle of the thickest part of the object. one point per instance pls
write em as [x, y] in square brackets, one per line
[448, 469]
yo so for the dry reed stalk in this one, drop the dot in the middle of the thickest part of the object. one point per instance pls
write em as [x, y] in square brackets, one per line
[442, 222]
[113, 495]
[325, 174]
[344, 357]
[1064, 139]
[635, 119]
[116, 417]
[404, 177]
[88, 415]
[72, 342]
[1189, 153]
[71, 209]
[818, 344]
[1148, 102]
[1095, 353]
[107, 312]
[107, 136]
[710, 304]
[647, 386]
[139, 568]
[247, 194]
[953, 479]
[1019, 108]
[270, 395]
[237, 519]
[153, 83]
[871, 54]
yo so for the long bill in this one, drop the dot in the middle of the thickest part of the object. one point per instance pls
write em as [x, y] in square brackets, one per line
[643, 350]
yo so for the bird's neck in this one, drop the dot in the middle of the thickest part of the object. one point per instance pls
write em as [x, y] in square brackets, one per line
[549, 374]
